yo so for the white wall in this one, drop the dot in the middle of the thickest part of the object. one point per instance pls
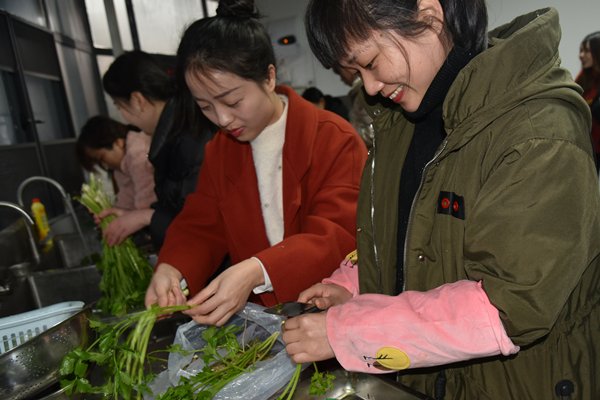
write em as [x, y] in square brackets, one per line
[577, 17]
[306, 71]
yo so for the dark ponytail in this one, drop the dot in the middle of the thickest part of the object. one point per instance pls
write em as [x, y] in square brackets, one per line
[233, 41]
[237, 9]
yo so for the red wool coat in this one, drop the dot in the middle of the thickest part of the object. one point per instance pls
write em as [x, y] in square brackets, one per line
[323, 158]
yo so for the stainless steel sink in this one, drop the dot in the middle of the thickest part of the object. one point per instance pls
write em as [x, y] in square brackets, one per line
[17, 298]
[73, 248]
[65, 284]
[356, 386]
[62, 272]
[43, 288]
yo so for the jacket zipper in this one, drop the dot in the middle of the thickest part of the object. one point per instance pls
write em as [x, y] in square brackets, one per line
[410, 215]
[372, 195]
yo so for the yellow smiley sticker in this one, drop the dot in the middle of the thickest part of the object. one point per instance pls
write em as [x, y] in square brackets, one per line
[392, 358]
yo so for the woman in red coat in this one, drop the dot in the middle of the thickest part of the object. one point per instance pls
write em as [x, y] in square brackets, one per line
[278, 188]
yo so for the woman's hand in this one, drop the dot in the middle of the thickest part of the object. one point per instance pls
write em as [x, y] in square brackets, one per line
[226, 294]
[306, 339]
[126, 223]
[325, 295]
[164, 287]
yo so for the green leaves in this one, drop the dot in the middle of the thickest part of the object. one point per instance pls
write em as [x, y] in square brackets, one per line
[123, 361]
[224, 360]
[120, 350]
[320, 382]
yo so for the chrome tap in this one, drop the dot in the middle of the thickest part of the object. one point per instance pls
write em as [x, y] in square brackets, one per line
[28, 225]
[66, 200]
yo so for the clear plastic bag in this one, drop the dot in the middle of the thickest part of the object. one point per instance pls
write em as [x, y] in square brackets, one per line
[262, 382]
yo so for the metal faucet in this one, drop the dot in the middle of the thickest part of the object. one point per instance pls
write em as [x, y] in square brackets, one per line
[32, 241]
[66, 200]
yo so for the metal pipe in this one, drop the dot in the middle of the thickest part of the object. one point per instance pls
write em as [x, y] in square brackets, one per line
[66, 200]
[32, 241]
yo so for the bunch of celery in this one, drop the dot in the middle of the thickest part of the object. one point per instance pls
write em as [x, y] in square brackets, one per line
[124, 362]
[126, 272]
[224, 360]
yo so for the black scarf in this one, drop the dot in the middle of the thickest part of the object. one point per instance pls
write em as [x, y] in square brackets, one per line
[428, 135]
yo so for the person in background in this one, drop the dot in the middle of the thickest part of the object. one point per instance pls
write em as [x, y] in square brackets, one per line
[277, 190]
[147, 97]
[589, 79]
[358, 116]
[325, 102]
[117, 148]
[477, 273]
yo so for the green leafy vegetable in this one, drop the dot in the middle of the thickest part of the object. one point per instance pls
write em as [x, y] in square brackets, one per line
[224, 360]
[320, 382]
[126, 272]
[123, 361]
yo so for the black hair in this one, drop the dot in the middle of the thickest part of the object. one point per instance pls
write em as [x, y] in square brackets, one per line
[153, 76]
[591, 76]
[332, 24]
[137, 71]
[233, 41]
[97, 133]
[312, 94]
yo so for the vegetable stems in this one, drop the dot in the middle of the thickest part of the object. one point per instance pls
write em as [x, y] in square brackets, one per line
[124, 362]
[126, 273]
[219, 370]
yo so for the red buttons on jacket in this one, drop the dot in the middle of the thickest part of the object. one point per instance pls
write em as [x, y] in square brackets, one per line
[451, 204]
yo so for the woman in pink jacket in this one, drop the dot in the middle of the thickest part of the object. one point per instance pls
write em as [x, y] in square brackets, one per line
[113, 146]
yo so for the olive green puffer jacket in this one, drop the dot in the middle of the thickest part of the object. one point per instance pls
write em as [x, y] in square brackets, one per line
[510, 199]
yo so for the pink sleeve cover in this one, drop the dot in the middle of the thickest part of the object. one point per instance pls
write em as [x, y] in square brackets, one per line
[345, 276]
[454, 322]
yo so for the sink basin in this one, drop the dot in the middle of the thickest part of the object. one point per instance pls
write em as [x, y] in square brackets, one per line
[65, 284]
[69, 245]
[17, 300]
[43, 288]
[356, 386]
[64, 272]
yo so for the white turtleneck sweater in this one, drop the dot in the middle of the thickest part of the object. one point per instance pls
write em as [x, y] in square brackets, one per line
[267, 149]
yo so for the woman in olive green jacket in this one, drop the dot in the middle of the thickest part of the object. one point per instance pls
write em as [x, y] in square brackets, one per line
[479, 213]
